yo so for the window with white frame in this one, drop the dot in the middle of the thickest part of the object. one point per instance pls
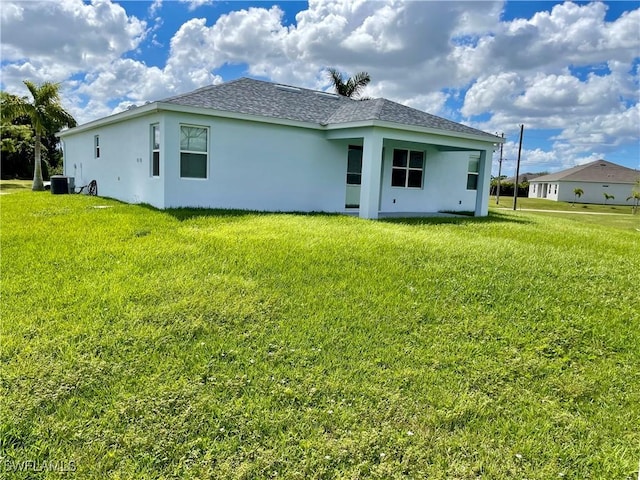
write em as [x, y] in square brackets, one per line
[193, 151]
[354, 165]
[96, 146]
[155, 150]
[473, 170]
[407, 169]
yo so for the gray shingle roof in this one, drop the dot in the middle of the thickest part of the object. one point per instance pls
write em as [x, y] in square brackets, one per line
[265, 99]
[599, 171]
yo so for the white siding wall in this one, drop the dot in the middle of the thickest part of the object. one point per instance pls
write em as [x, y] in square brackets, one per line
[545, 190]
[593, 192]
[444, 182]
[553, 190]
[257, 166]
[123, 170]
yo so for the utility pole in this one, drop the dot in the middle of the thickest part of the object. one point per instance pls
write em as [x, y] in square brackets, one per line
[515, 190]
[499, 172]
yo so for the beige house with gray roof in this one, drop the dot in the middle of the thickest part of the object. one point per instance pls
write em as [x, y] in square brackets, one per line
[255, 145]
[594, 179]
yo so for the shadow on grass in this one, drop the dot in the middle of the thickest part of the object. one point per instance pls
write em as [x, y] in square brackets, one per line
[14, 186]
[493, 217]
[183, 214]
[189, 213]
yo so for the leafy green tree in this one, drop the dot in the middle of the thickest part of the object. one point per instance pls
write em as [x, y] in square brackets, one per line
[608, 196]
[15, 137]
[577, 193]
[350, 87]
[45, 113]
[16, 145]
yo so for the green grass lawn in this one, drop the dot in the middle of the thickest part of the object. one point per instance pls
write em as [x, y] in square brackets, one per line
[544, 204]
[613, 216]
[138, 343]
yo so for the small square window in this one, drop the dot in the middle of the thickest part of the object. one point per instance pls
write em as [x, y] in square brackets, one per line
[414, 179]
[416, 159]
[400, 158]
[472, 182]
[407, 169]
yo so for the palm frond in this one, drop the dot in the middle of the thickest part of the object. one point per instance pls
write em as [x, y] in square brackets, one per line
[337, 80]
[352, 86]
[361, 79]
[45, 93]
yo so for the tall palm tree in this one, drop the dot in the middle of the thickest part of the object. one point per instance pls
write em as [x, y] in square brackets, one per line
[351, 87]
[46, 115]
[577, 193]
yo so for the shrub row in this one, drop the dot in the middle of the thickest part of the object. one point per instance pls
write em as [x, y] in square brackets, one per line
[506, 188]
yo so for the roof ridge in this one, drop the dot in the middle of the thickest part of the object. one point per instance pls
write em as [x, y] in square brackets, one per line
[613, 168]
[208, 87]
[379, 105]
[447, 121]
[190, 92]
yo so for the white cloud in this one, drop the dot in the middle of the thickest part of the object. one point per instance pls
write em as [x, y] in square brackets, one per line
[155, 7]
[193, 4]
[68, 32]
[492, 93]
[51, 41]
[605, 130]
[569, 34]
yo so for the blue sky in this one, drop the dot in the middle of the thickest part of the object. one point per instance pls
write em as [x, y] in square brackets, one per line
[568, 71]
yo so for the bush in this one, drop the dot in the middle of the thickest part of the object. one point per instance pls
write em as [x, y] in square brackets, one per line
[506, 188]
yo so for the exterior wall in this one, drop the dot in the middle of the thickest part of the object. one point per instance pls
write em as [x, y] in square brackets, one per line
[123, 170]
[260, 166]
[444, 182]
[257, 166]
[547, 190]
[593, 192]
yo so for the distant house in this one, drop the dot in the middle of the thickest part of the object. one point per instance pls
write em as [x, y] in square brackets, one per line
[249, 144]
[594, 179]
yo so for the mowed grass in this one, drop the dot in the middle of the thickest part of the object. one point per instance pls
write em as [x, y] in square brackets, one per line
[138, 343]
[613, 216]
[545, 204]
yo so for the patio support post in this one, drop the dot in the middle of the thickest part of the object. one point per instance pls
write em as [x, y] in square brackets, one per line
[371, 176]
[484, 183]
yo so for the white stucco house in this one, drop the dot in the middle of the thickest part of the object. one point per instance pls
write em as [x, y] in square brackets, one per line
[255, 145]
[594, 178]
